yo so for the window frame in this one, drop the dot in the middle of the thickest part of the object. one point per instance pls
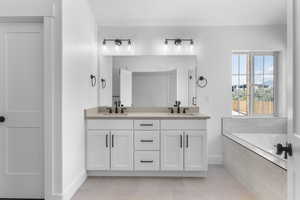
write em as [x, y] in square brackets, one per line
[251, 81]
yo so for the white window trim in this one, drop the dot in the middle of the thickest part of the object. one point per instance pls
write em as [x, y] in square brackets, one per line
[250, 66]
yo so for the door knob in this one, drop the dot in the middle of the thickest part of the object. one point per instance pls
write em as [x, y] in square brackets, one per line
[2, 119]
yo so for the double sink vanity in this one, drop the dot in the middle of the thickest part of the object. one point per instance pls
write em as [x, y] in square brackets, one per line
[136, 130]
[146, 142]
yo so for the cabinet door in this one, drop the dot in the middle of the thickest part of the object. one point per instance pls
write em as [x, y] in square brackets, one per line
[122, 150]
[172, 150]
[98, 150]
[195, 150]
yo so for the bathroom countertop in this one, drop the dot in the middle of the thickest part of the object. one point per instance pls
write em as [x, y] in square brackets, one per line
[93, 113]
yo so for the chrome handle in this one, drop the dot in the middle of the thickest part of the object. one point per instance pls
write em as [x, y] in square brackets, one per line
[146, 140]
[146, 161]
[146, 124]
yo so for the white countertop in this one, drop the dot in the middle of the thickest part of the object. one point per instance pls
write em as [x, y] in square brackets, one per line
[94, 114]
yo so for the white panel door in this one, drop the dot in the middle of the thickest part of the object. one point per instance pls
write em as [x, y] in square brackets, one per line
[294, 89]
[172, 150]
[126, 87]
[195, 150]
[122, 150]
[294, 169]
[98, 150]
[21, 135]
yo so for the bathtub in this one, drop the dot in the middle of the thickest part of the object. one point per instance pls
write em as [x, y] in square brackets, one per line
[263, 144]
[250, 155]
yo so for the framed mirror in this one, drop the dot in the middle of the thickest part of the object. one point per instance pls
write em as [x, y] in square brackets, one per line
[148, 81]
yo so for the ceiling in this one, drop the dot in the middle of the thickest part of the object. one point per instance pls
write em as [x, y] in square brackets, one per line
[189, 12]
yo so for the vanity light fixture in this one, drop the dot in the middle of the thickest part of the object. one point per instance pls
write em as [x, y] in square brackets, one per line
[178, 41]
[117, 42]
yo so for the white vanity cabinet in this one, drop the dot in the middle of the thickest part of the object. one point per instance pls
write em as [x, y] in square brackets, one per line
[121, 150]
[98, 150]
[183, 150]
[109, 145]
[195, 150]
[146, 147]
[172, 150]
[184, 145]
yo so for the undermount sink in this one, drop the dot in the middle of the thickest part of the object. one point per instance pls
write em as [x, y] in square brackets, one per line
[116, 114]
[182, 114]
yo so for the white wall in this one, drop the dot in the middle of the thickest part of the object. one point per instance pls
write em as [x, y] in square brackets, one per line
[24, 8]
[79, 61]
[105, 72]
[296, 68]
[213, 47]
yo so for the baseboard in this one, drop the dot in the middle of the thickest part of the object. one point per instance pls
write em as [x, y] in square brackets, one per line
[54, 197]
[215, 160]
[149, 173]
[72, 188]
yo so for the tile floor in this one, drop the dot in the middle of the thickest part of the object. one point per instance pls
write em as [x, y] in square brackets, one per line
[219, 185]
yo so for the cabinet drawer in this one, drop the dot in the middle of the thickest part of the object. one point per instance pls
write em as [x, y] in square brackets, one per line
[146, 140]
[96, 124]
[146, 124]
[183, 124]
[146, 160]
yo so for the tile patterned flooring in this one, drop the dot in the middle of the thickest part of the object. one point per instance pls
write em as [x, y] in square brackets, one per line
[219, 185]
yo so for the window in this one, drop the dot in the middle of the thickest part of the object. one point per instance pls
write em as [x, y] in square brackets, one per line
[254, 83]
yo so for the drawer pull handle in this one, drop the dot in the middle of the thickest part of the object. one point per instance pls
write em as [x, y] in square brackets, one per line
[146, 161]
[181, 141]
[146, 140]
[146, 124]
[187, 141]
[106, 140]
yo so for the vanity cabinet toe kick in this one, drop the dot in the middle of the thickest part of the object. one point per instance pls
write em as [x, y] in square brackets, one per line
[129, 147]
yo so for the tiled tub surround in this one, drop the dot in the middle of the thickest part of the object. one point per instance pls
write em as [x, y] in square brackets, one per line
[146, 143]
[262, 144]
[249, 154]
[255, 125]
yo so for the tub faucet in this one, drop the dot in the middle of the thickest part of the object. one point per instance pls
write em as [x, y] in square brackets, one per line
[286, 149]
